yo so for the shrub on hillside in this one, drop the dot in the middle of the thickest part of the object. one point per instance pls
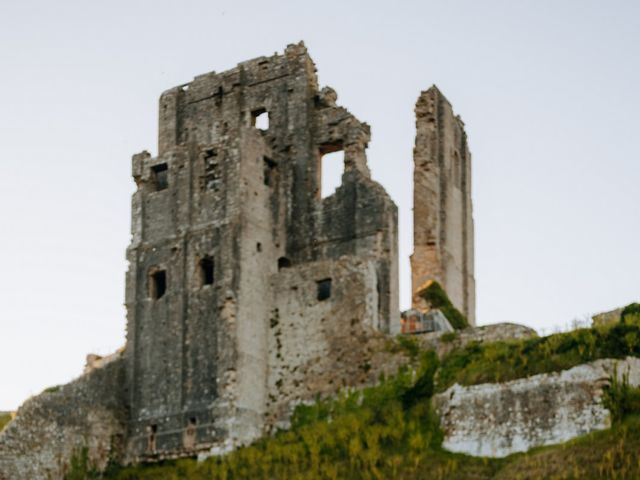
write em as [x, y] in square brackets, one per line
[630, 311]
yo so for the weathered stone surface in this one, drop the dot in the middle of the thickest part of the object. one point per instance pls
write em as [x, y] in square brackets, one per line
[443, 231]
[437, 321]
[605, 318]
[414, 321]
[48, 429]
[224, 209]
[496, 420]
[317, 348]
[228, 229]
[485, 334]
[97, 361]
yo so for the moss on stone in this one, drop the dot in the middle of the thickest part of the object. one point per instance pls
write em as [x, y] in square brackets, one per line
[435, 296]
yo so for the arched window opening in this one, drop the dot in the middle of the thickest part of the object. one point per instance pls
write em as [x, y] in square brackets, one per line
[283, 262]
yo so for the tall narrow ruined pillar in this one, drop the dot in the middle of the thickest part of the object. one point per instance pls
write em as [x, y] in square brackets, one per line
[443, 235]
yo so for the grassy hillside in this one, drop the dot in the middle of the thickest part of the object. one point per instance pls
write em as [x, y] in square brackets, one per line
[4, 419]
[504, 361]
[390, 431]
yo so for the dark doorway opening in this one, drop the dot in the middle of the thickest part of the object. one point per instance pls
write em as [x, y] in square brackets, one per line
[206, 271]
[157, 284]
[324, 289]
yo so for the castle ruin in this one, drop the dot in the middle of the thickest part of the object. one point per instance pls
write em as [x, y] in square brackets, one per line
[230, 232]
[247, 292]
[443, 235]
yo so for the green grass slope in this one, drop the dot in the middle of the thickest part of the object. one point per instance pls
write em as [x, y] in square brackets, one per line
[391, 432]
[4, 419]
[504, 361]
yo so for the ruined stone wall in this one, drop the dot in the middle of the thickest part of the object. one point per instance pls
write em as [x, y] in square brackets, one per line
[443, 229]
[319, 346]
[246, 201]
[50, 428]
[496, 420]
[497, 332]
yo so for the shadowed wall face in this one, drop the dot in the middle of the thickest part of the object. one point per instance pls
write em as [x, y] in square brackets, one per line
[442, 210]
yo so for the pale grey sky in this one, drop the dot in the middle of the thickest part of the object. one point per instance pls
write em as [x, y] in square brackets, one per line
[548, 89]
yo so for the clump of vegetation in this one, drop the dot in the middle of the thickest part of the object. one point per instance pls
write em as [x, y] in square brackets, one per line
[630, 313]
[448, 337]
[504, 361]
[409, 345]
[80, 467]
[621, 398]
[435, 295]
[403, 344]
[4, 419]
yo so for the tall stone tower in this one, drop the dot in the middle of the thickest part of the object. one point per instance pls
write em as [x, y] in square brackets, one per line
[230, 235]
[443, 233]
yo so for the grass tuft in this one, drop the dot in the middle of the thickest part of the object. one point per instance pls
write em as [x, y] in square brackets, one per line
[4, 419]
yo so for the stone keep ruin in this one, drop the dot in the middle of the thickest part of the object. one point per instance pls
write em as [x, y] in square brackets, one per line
[230, 234]
[247, 292]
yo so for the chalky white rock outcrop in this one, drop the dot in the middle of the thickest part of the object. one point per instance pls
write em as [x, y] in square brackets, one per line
[498, 419]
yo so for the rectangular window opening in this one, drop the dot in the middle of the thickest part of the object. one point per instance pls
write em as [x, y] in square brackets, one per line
[324, 289]
[157, 284]
[260, 119]
[269, 170]
[160, 176]
[331, 170]
[206, 271]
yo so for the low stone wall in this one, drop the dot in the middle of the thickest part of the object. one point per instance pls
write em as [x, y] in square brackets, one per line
[485, 334]
[605, 318]
[50, 428]
[498, 419]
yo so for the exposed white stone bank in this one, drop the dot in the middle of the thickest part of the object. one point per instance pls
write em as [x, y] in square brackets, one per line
[498, 419]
